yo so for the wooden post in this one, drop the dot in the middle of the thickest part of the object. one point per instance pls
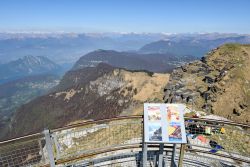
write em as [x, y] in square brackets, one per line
[182, 151]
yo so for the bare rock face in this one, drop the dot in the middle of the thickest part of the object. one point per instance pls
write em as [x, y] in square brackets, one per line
[218, 83]
[106, 84]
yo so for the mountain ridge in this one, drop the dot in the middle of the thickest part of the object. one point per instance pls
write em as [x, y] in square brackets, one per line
[110, 92]
[192, 45]
[132, 60]
[27, 66]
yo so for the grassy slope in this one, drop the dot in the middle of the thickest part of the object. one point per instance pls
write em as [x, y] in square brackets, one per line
[237, 83]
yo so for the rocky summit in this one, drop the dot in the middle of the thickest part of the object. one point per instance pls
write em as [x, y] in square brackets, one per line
[219, 83]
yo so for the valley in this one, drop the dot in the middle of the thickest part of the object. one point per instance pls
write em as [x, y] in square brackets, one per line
[18, 92]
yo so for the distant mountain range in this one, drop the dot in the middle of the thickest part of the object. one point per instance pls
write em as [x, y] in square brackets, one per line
[27, 66]
[192, 45]
[64, 48]
[133, 61]
[69, 47]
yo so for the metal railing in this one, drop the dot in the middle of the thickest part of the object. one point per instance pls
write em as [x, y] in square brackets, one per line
[118, 142]
[24, 151]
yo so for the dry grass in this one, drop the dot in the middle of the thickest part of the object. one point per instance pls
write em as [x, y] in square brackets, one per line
[147, 87]
[237, 86]
[234, 140]
[114, 133]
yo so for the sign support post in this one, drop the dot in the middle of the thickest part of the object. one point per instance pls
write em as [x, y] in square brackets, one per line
[144, 148]
[173, 164]
[180, 164]
[144, 154]
[160, 162]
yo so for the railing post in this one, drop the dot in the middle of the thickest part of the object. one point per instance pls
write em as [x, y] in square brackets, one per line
[41, 148]
[49, 148]
[57, 146]
[180, 163]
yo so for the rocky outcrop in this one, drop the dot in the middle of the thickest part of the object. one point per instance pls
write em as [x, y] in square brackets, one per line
[218, 83]
[182, 87]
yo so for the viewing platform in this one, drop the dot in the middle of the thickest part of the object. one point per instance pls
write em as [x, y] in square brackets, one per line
[119, 142]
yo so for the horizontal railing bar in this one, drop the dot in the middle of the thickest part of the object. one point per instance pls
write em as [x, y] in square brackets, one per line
[218, 121]
[120, 118]
[110, 149]
[129, 155]
[134, 146]
[220, 155]
[206, 157]
[209, 148]
[96, 122]
[22, 138]
[99, 152]
[141, 116]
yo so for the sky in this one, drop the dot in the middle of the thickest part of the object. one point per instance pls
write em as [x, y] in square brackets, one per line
[170, 16]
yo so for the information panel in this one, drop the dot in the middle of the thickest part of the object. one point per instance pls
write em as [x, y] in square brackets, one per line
[164, 123]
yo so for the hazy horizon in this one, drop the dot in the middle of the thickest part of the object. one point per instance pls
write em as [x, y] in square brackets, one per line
[125, 16]
[27, 31]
